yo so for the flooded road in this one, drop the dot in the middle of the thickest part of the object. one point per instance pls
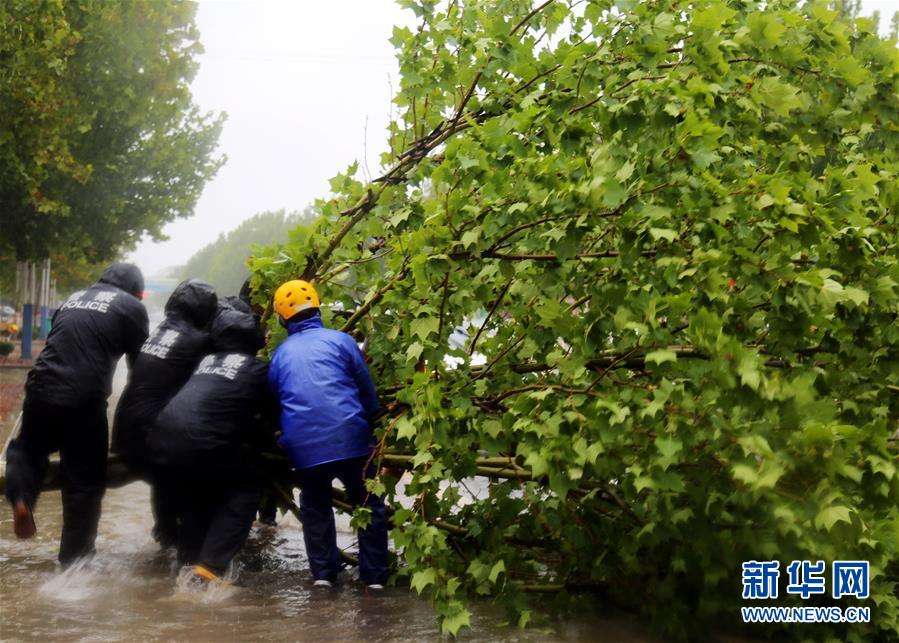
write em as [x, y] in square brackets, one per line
[131, 590]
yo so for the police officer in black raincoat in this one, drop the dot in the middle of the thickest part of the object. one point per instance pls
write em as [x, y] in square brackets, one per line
[268, 506]
[208, 439]
[165, 363]
[65, 405]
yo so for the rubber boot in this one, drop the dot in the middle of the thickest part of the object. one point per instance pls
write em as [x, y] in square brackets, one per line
[208, 576]
[23, 520]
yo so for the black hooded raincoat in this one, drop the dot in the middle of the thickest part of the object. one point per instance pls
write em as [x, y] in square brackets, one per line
[215, 415]
[89, 334]
[165, 362]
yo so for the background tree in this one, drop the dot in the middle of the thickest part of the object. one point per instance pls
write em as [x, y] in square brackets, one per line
[851, 9]
[38, 107]
[223, 263]
[100, 140]
[635, 262]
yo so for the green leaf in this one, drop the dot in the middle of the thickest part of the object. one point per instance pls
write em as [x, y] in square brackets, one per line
[830, 516]
[853, 473]
[414, 350]
[466, 162]
[625, 171]
[452, 624]
[764, 201]
[524, 618]
[550, 310]
[401, 216]
[422, 327]
[405, 429]
[422, 578]
[661, 356]
[421, 458]
[498, 568]
[856, 295]
[470, 237]
[770, 474]
[748, 370]
[764, 29]
[538, 464]
[776, 94]
[884, 467]
[668, 446]
[713, 16]
[745, 473]
[663, 233]
[611, 193]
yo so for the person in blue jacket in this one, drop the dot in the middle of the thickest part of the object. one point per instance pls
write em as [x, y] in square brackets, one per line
[328, 404]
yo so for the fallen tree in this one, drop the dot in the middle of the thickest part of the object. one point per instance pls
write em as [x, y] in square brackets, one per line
[637, 264]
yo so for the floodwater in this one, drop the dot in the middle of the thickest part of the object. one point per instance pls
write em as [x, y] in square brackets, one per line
[131, 590]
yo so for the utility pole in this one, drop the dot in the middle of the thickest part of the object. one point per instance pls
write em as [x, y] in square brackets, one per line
[44, 328]
[18, 291]
[28, 308]
[53, 296]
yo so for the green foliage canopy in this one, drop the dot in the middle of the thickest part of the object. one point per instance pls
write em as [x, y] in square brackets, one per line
[667, 236]
[100, 141]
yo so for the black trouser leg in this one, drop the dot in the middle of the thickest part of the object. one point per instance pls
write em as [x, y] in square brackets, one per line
[317, 516]
[232, 517]
[83, 452]
[372, 539]
[194, 511]
[162, 502]
[268, 509]
[165, 522]
[28, 454]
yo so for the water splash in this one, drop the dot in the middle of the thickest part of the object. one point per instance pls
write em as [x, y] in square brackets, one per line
[86, 578]
[190, 588]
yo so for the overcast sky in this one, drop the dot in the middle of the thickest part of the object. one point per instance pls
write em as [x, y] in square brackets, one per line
[299, 80]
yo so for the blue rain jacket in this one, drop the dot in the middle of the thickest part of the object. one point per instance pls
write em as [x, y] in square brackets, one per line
[327, 397]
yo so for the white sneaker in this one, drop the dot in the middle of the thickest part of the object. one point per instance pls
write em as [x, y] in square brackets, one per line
[376, 587]
[322, 583]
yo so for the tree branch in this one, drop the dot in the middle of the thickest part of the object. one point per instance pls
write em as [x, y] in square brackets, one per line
[496, 302]
[528, 17]
[547, 257]
[375, 298]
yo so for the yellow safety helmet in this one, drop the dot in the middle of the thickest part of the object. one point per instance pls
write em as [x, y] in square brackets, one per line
[293, 297]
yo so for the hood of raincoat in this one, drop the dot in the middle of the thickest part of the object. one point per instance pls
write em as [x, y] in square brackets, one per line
[234, 302]
[126, 276]
[304, 320]
[233, 330]
[246, 293]
[193, 300]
